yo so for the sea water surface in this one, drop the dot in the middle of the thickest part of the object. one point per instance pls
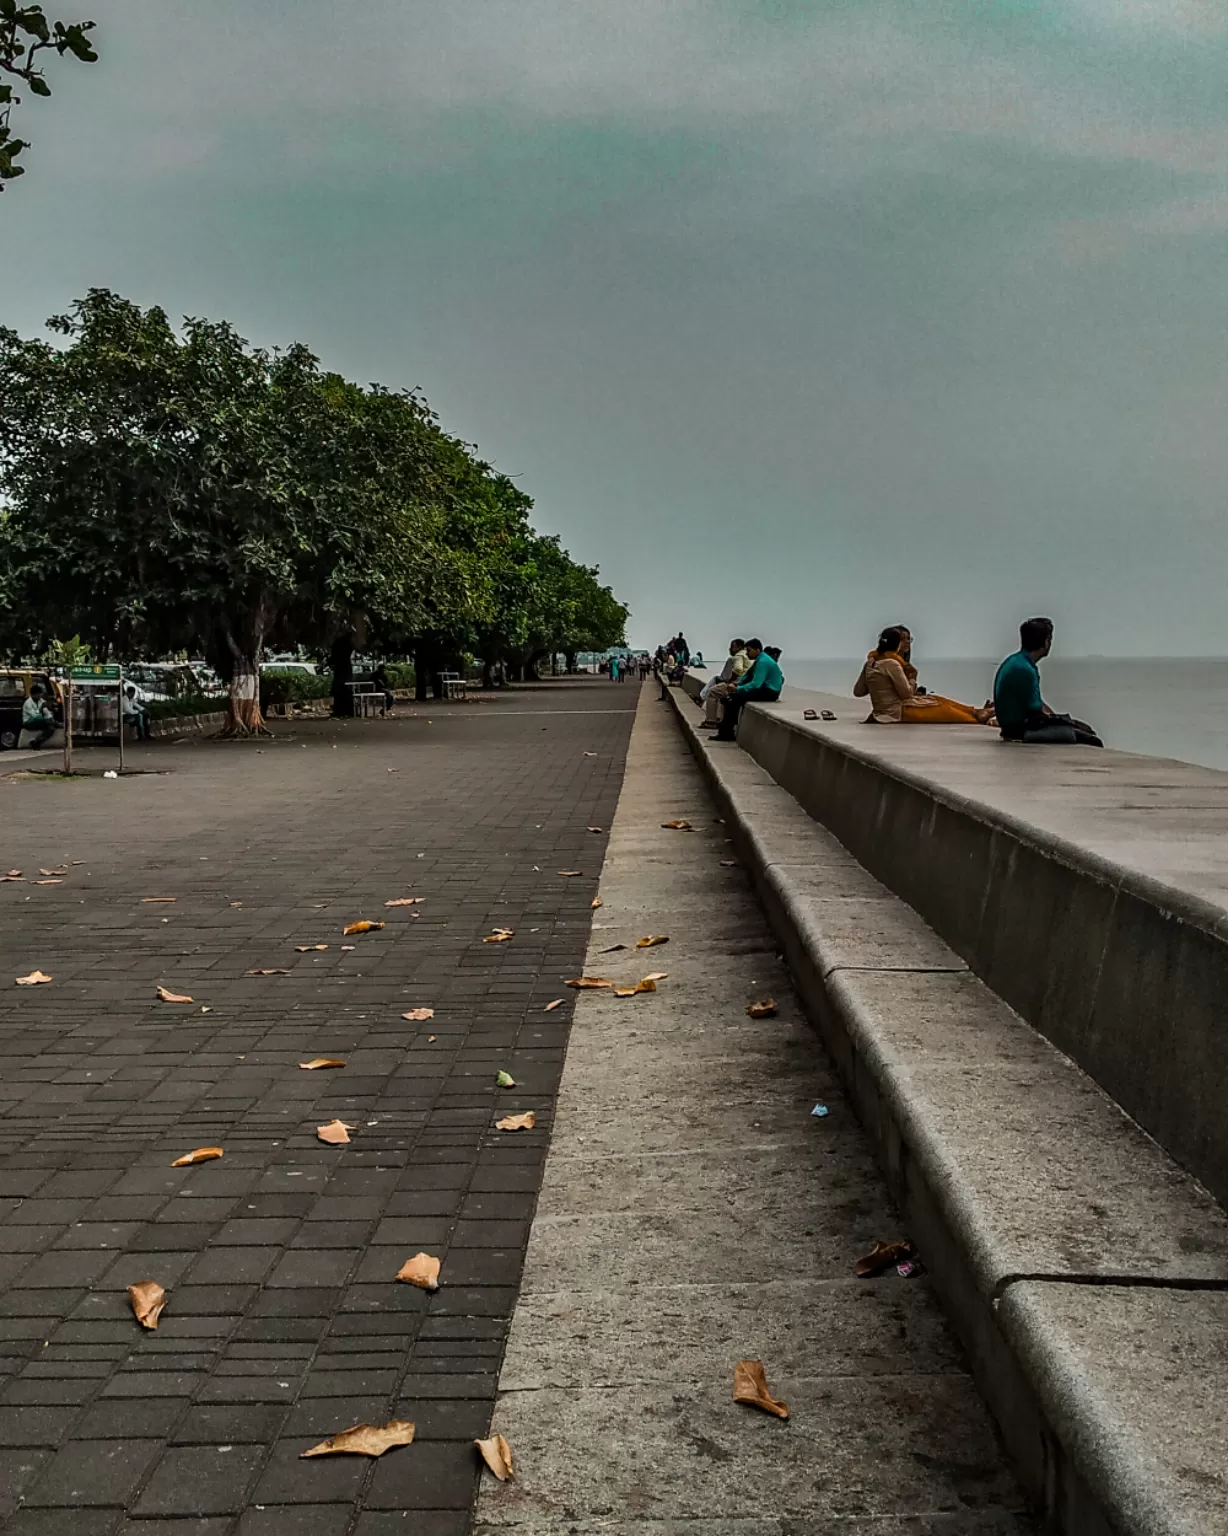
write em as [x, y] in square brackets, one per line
[1172, 707]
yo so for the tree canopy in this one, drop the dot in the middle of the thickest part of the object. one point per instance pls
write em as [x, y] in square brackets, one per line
[25, 34]
[171, 490]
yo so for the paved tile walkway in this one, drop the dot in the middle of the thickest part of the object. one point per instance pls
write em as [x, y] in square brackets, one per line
[694, 1213]
[283, 1323]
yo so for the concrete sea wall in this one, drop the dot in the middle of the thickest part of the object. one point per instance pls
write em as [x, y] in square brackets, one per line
[1088, 889]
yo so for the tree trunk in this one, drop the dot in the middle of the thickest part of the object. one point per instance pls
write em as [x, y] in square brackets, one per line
[571, 661]
[243, 717]
[341, 664]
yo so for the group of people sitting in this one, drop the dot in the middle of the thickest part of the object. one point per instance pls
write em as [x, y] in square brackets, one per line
[751, 674]
[889, 680]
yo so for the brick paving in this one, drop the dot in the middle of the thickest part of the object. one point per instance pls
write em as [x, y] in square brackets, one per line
[284, 1323]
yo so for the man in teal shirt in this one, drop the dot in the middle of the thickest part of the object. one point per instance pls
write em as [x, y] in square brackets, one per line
[762, 682]
[1022, 713]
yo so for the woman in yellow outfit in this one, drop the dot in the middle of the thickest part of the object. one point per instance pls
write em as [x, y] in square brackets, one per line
[889, 680]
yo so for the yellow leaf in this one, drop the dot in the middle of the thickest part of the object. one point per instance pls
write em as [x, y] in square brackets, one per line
[497, 1454]
[306, 949]
[201, 1155]
[34, 979]
[336, 1132]
[365, 1440]
[419, 1015]
[585, 982]
[174, 997]
[524, 1122]
[652, 941]
[678, 826]
[148, 1299]
[362, 926]
[750, 1387]
[422, 1270]
[763, 1009]
[319, 1062]
[550, 1007]
[499, 936]
[596, 902]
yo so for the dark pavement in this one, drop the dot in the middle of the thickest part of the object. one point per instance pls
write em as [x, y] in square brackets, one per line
[284, 1323]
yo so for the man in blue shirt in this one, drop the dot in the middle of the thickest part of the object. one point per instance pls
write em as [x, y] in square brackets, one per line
[1022, 713]
[762, 682]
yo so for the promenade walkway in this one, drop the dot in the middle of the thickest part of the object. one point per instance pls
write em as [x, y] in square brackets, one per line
[284, 1323]
[694, 1213]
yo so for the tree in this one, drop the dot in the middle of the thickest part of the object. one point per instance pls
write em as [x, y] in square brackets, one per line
[25, 33]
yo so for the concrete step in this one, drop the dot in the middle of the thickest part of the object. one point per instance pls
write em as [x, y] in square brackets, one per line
[1086, 1273]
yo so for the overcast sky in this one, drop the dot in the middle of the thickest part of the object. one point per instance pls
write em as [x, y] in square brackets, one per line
[795, 317]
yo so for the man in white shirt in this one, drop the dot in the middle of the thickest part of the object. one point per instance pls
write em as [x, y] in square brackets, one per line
[737, 663]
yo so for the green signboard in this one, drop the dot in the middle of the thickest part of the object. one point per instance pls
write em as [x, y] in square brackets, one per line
[95, 674]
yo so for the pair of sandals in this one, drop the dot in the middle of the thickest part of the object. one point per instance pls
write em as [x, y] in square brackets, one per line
[822, 714]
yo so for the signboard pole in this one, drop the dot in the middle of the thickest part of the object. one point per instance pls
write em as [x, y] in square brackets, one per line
[68, 728]
[120, 707]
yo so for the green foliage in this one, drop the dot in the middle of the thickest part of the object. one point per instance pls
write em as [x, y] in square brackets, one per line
[181, 492]
[189, 704]
[401, 674]
[24, 34]
[67, 653]
[292, 687]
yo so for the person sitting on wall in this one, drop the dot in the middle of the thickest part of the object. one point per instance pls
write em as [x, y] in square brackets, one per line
[762, 684]
[1022, 714]
[37, 720]
[711, 696]
[135, 714]
[889, 679]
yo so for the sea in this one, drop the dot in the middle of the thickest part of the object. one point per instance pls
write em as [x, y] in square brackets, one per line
[1170, 707]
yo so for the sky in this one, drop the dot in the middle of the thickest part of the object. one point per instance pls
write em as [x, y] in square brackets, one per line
[795, 318]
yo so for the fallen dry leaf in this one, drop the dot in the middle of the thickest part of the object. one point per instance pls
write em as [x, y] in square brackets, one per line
[590, 754]
[499, 936]
[63, 871]
[148, 1299]
[729, 863]
[678, 826]
[306, 949]
[646, 985]
[596, 902]
[4, 879]
[504, 1080]
[613, 949]
[882, 1256]
[430, 1039]
[419, 1015]
[49, 882]
[174, 997]
[584, 982]
[365, 1440]
[318, 1063]
[550, 1007]
[497, 1454]
[568, 874]
[656, 976]
[764, 1009]
[13, 874]
[405, 901]
[336, 1133]
[34, 979]
[596, 829]
[154, 900]
[652, 940]
[524, 1122]
[364, 925]
[422, 1270]
[750, 1387]
[274, 971]
[201, 1155]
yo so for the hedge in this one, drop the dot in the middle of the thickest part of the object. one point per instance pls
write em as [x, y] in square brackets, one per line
[292, 687]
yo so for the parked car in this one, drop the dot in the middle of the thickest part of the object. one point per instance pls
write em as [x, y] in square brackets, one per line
[15, 685]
